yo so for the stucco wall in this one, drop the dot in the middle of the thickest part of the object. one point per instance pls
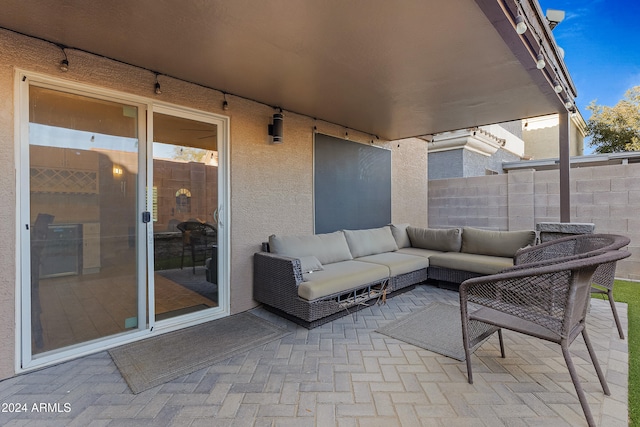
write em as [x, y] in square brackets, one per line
[464, 163]
[271, 186]
[607, 196]
[541, 138]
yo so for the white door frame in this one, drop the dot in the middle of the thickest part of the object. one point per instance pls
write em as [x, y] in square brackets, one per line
[223, 309]
[24, 360]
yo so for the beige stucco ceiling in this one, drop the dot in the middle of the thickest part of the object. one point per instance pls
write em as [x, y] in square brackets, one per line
[390, 68]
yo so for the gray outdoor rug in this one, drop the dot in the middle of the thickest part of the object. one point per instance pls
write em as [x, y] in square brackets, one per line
[436, 328]
[154, 361]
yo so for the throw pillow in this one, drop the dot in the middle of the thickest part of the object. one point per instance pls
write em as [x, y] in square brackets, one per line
[310, 264]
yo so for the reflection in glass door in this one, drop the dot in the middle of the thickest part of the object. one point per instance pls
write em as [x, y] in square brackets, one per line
[185, 201]
[84, 213]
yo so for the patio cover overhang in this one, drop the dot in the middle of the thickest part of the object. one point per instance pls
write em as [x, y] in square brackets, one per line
[394, 69]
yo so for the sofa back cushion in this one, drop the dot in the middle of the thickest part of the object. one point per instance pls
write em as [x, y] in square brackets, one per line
[436, 239]
[327, 248]
[399, 232]
[495, 243]
[370, 241]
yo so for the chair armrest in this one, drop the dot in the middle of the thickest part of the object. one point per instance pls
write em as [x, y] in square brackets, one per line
[570, 247]
[557, 248]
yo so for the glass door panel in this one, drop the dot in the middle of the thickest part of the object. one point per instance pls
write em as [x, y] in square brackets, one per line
[84, 211]
[185, 201]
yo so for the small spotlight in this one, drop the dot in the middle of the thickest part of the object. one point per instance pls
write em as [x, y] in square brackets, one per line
[540, 64]
[568, 104]
[521, 26]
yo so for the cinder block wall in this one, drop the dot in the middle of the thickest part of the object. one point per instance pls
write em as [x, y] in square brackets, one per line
[608, 196]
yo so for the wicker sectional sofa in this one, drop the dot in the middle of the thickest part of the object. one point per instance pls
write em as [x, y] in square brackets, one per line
[315, 279]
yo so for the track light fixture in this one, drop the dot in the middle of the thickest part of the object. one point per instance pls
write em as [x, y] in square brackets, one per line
[157, 86]
[276, 129]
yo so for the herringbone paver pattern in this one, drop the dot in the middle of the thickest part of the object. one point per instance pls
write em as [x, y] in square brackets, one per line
[342, 374]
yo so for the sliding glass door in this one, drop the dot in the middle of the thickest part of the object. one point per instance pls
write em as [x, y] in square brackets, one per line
[185, 213]
[122, 235]
[84, 217]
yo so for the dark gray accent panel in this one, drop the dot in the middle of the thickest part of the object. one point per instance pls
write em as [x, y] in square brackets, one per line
[352, 185]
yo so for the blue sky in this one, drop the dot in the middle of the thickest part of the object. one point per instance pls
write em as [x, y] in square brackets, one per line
[601, 40]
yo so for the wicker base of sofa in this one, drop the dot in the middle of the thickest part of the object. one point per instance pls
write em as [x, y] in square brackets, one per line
[345, 312]
[408, 279]
[448, 278]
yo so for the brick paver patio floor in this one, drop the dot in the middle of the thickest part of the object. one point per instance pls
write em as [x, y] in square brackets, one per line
[343, 374]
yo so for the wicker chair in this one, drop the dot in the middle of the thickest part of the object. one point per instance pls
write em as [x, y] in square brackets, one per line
[548, 302]
[575, 247]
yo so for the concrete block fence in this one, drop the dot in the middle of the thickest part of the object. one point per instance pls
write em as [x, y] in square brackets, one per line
[608, 196]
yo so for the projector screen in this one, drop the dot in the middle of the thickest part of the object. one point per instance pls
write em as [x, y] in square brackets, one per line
[352, 185]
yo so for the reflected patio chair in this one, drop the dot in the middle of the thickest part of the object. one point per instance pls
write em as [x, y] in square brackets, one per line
[549, 302]
[199, 237]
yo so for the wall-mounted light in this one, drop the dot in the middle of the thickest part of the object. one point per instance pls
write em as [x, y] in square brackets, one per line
[276, 129]
[157, 89]
[117, 171]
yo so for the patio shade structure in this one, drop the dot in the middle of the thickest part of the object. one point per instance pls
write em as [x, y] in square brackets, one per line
[391, 69]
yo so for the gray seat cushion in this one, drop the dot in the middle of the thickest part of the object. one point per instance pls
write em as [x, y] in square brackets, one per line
[327, 248]
[340, 277]
[370, 241]
[481, 264]
[397, 263]
[425, 253]
[436, 239]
